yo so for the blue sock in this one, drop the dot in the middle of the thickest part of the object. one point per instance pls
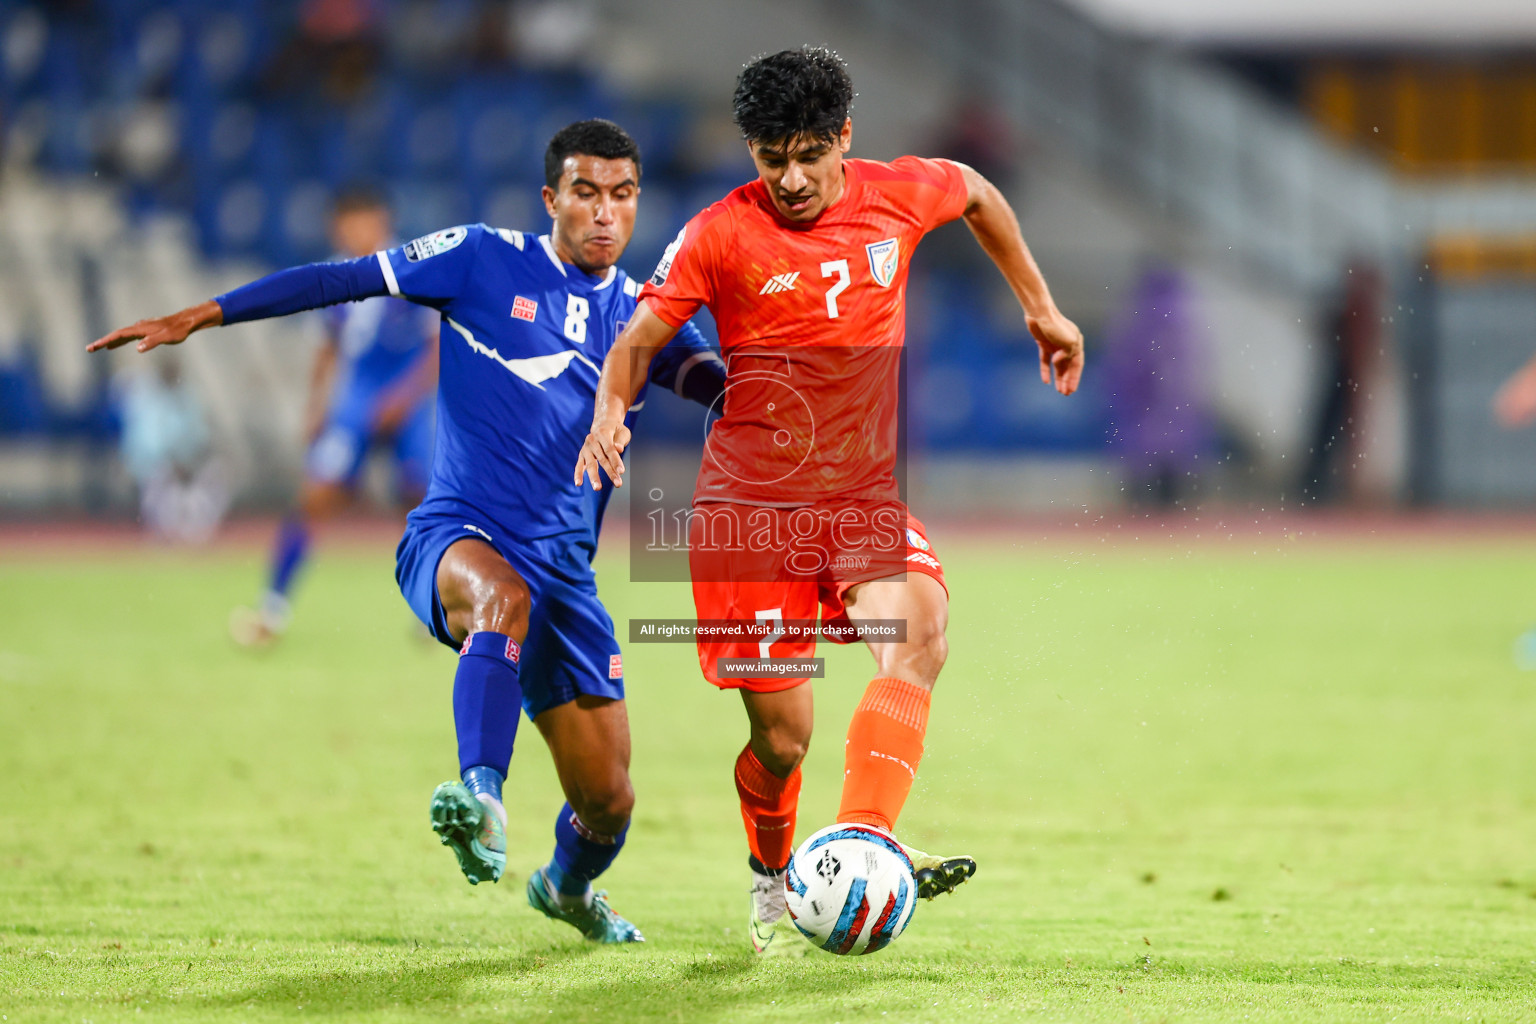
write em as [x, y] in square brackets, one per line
[487, 702]
[580, 854]
[483, 779]
[288, 553]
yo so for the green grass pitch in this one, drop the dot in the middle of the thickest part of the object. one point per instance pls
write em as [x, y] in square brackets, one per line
[1224, 780]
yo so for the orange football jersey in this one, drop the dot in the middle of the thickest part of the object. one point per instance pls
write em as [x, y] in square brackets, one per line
[812, 318]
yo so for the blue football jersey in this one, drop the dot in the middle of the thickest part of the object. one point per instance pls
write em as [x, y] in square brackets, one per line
[523, 340]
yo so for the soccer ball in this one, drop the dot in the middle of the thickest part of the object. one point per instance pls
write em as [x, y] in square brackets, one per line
[850, 889]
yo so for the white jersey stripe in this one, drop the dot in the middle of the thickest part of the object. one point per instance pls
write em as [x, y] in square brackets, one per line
[389, 273]
[549, 251]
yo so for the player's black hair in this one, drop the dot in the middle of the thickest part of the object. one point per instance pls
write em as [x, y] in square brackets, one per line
[596, 137]
[359, 196]
[792, 93]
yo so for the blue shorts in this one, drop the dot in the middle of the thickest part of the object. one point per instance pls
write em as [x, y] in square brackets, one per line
[337, 455]
[570, 648]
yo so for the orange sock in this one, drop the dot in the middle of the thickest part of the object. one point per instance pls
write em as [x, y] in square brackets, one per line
[885, 744]
[768, 805]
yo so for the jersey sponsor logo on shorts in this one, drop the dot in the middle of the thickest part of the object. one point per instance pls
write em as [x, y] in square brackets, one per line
[514, 652]
[780, 283]
[524, 308]
[916, 540]
[884, 259]
[615, 666]
[664, 268]
[435, 244]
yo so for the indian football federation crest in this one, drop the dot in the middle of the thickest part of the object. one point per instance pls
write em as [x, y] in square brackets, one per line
[884, 260]
[916, 540]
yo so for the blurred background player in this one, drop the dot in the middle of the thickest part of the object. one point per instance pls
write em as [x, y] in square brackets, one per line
[372, 384]
[805, 272]
[1514, 406]
[496, 560]
[166, 448]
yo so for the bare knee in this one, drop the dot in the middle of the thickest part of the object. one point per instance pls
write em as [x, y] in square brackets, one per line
[922, 657]
[780, 749]
[502, 606]
[606, 808]
[480, 592]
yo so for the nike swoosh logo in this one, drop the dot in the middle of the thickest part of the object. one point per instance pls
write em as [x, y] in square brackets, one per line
[535, 369]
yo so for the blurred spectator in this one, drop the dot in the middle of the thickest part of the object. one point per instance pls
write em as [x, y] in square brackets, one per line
[1514, 405]
[555, 35]
[432, 36]
[1351, 343]
[182, 490]
[974, 132]
[493, 37]
[335, 51]
[1160, 403]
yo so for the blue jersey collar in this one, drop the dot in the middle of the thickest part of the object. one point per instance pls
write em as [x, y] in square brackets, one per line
[549, 250]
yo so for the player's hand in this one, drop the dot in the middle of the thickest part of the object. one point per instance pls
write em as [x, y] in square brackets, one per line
[1515, 403]
[603, 449]
[1061, 350]
[163, 330]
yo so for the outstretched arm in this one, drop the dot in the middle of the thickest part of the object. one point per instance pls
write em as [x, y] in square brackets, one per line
[624, 371]
[163, 330]
[287, 291]
[992, 221]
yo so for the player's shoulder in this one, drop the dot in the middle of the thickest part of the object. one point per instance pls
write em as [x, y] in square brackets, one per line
[525, 254]
[519, 240]
[906, 170]
[727, 213]
[626, 286]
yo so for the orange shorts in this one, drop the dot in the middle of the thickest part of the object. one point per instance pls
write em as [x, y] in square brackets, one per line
[783, 568]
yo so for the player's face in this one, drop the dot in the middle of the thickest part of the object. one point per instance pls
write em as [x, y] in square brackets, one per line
[361, 232]
[594, 210]
[804, 175]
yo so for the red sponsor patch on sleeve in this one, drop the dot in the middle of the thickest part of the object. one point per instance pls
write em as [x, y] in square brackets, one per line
[615, 666]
